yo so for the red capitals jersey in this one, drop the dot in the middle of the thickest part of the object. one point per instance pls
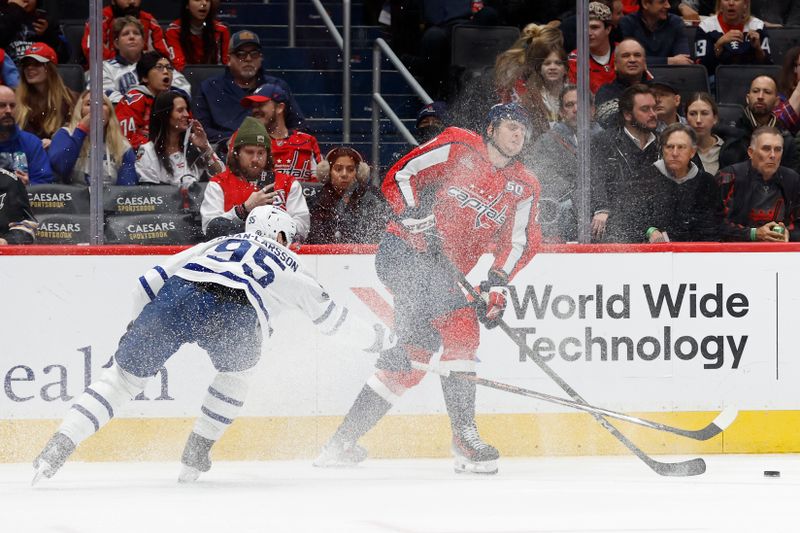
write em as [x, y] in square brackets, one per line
[478, 208]
[182, 57]
[237, 189]
[153, 35]
[598, 74]
[133, 113]
[297, 155]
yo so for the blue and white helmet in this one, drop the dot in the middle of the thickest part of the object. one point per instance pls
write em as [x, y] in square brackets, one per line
[511, 111]
[268, 221]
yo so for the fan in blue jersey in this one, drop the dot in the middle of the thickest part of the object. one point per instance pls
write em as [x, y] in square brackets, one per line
[222, 295]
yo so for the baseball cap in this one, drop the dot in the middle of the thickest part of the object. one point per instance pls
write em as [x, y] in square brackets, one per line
[265, 93]
[434, 109]
[41, 53]
[665, 84]
[243, 37]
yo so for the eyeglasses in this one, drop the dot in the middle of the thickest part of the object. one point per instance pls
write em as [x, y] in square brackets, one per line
[244, 54]
[166, 68]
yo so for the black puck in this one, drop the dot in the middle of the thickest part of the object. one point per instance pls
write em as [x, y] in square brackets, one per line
[772, 473]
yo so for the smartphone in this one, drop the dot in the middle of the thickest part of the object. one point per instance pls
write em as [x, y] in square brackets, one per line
[41, 14]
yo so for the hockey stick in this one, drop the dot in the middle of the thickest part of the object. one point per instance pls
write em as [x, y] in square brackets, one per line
[717, 426]
[690, 467]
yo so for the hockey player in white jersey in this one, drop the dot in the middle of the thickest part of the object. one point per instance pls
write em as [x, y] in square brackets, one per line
[221, 294]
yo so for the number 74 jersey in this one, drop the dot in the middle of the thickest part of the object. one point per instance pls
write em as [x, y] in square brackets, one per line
[271, 277]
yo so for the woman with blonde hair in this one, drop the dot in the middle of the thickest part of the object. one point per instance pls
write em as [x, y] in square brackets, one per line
[69, 151]
[44, 103]
[533, 72]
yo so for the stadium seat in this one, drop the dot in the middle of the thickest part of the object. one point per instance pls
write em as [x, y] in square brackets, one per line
[73, 77]
[151, 199]
[781, 40]
[74, 34]
[733, 81]
[476, 47]
[687, 79]
[56, 198]
[152, 229]
[63, 228]
[196, 74]
[311, 190]
[729, 114]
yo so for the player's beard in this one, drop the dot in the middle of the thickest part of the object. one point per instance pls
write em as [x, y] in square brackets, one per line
[643, 127]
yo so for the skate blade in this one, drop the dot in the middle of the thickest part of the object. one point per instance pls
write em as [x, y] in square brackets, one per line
[42, 471]
[188, 474]
[487, 468]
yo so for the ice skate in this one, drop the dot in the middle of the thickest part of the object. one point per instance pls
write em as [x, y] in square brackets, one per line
[196, 458]
[340, 453]
[471, 453]
[52, 457]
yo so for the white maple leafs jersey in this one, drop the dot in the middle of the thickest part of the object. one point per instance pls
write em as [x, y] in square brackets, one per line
[271, 277]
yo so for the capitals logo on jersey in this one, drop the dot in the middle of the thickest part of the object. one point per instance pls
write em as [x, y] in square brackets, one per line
[485, 209]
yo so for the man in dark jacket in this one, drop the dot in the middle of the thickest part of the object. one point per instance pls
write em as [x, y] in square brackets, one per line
[620, 156]
[761, 100]
[760, 199]
[659, 31]
[22, 24]
[630, 67]
[217, 106]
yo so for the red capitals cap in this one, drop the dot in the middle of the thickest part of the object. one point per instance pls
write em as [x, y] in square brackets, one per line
[41, 53]
[265, 93]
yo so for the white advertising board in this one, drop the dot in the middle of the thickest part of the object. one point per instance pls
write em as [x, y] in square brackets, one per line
[631, 332]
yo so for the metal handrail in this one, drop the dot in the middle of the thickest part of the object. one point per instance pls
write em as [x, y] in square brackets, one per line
[377, 58]
[343, 42]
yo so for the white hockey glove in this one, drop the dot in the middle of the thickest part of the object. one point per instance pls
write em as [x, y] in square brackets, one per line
[384, 339]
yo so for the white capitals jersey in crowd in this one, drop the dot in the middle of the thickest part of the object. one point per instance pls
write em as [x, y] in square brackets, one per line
[272, 278]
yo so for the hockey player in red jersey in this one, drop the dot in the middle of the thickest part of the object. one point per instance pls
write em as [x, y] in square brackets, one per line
[455, 198]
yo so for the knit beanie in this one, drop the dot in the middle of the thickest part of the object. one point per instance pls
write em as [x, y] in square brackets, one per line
[251, 132]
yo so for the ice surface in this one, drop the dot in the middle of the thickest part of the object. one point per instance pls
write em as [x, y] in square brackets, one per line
[580, 494]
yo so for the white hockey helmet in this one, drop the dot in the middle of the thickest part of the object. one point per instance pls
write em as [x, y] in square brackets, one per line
[268, 221]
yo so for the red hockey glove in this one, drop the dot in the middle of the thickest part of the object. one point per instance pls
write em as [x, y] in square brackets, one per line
[493, 304]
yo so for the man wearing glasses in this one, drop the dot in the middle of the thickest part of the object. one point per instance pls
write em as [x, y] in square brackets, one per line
[216, 105]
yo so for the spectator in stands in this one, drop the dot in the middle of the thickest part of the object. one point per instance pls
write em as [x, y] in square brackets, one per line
[348, 208]
[776, 13]
[761, 99]
[569, 28]
[554, 161]
[630, 67]
[9, 75]
[69, 151]
[197, 37]
[294, 153]
[248, 182]
[520, 74]
[702, 115]
[431, 121]
[17, 223]
[22, 24]
[680, 198]
[44, 103]
[668, 102]
[601, 53]
[153, 34]
[732, 37]
[788, 91]
[620, 156]
[659, 32]
[217, 104]
[119, 74]
[759, 194]
[20, 151]
[133, 111]
[178, 152]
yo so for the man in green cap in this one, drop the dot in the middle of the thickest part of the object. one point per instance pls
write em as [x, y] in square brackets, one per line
[248, 182]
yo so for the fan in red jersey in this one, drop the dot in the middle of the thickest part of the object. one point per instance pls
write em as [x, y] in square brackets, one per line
[295, 153]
